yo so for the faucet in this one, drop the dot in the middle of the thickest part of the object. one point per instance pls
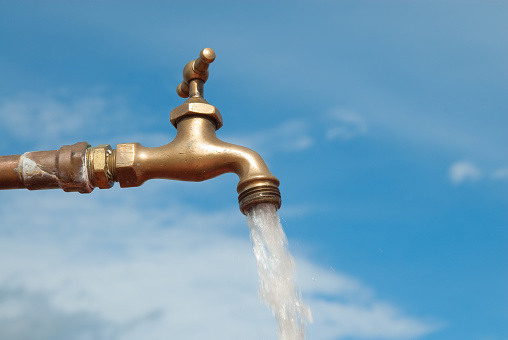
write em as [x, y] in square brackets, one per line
[196, 154]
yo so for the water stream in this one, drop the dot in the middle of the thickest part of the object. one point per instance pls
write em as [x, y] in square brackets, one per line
[277, 272]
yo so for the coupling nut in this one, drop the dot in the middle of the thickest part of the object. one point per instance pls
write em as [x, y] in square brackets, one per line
[101, 158]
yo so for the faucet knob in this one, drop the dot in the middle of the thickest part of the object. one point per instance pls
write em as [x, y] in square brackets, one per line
[196, 69]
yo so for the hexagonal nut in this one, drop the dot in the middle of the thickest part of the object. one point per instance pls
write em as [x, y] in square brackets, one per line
[103, 177]
[125, 172]
[196, 108]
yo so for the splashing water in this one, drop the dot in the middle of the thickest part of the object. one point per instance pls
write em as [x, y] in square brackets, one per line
[276, 272]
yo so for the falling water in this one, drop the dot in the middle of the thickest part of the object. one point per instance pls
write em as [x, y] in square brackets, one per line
[276, 271]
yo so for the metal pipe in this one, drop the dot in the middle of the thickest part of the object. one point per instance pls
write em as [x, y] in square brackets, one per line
[65, 168]
[196, 88]
[9, 177]
[196, 154]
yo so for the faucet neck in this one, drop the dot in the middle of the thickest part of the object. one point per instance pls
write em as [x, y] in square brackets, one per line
[195, 128]
[196, 88]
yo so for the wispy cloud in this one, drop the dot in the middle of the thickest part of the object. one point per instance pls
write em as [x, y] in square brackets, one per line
[46, 119]
[67, 116]
[373, 321]
[127, 270]
[345, 308]
[501, 173]
[345, 124]
[28, 315]
[300, 134]
[465, 171]
[289, 136]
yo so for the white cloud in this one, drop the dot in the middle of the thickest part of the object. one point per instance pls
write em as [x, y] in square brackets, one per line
[346, 308]
[297, 134]
[31, 316]
[464, 171]
[113, 266]
[377, 320]
[25, 114]
[501, 173]
[45, 119]
[345, 124]
[292, 135]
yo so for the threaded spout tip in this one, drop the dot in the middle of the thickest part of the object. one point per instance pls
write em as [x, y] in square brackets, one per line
[259, 194]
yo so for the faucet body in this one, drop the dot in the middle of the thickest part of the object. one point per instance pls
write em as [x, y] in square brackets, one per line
[196, 154]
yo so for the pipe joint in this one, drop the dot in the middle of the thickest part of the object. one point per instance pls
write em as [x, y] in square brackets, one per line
[101, 166]
[66, 168]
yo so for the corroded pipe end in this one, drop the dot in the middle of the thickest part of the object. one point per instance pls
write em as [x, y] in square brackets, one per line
[65, 168]
[10, 176]
[259, 194]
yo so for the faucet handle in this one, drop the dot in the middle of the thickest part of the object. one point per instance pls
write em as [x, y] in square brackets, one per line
[196, 69]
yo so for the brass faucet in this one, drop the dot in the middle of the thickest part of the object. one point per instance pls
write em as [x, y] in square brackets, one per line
[196, 154]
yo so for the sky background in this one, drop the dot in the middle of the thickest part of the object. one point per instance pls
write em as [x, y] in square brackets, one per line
[384, 120]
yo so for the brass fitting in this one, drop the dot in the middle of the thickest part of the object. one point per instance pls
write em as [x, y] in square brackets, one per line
[196, 69]
[261, 193]
[125, 166]
[101, 162]
[196, 106]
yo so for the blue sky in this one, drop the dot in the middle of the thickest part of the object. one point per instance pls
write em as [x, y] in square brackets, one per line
[385, 122]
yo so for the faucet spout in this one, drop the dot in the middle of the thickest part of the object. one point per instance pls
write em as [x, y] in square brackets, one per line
[196, 154]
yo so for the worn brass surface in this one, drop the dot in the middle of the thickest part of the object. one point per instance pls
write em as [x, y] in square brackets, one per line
[196, 88]
[196, 69]
[196, 154]
[196, 106]
[99, 163]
